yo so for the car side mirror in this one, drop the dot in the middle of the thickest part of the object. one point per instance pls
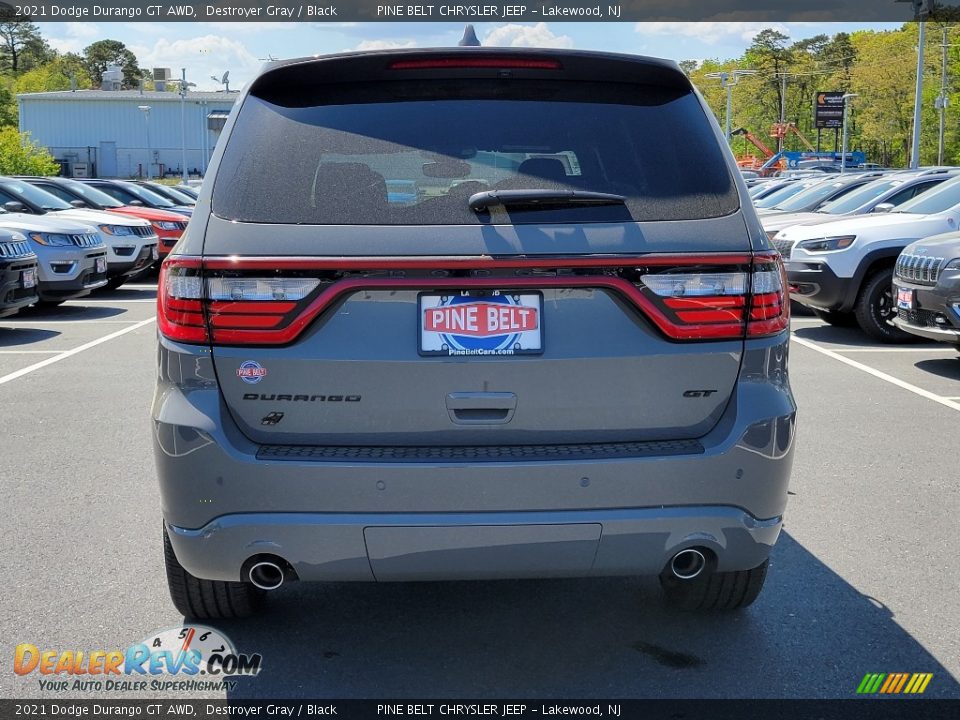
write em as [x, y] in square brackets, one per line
[135, 203]
[78, 203]
[884, 208]
[14, 206]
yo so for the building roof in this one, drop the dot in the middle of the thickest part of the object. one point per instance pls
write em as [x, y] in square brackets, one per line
[151, 95]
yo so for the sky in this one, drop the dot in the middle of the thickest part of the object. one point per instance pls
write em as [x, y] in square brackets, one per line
[207, 50]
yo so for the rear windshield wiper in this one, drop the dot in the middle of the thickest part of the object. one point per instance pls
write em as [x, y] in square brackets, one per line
[535, 198]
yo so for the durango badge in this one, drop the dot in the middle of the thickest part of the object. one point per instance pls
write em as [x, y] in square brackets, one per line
[251, 372]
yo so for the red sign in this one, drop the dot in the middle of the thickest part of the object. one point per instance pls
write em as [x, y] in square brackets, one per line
[480, 319]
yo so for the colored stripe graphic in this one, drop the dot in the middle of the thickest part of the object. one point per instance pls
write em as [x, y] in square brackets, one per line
[894, 683]
[903, 681]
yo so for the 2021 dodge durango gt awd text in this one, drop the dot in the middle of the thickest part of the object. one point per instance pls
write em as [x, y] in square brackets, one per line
[471, 314]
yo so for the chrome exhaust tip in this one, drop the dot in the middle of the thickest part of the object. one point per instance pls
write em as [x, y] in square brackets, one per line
[266, 575]
[687, 564]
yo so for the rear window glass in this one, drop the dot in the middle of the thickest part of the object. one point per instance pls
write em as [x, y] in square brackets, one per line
[413, 154]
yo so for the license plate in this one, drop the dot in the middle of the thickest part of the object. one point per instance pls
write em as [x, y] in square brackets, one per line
[101, 264]
[480, 323]
[905, 298]
[155, 253]
[29, 278]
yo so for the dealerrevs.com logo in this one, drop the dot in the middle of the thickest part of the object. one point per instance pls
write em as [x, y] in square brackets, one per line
[202, 657]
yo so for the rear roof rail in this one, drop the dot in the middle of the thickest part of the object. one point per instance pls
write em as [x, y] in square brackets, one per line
[299, 77]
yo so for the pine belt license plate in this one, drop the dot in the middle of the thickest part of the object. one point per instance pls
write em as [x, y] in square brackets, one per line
[101, 265]
[29, 278]
[905, 298]
[480, 323]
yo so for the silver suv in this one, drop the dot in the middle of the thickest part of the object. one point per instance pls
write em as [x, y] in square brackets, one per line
[72, 259]
[471, 314]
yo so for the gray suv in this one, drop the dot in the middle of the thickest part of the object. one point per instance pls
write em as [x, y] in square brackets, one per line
[471, 314]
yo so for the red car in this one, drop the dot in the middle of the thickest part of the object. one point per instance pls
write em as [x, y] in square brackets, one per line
[169, 226]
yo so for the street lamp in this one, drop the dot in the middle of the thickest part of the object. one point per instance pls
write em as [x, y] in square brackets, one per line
[145, 109]
[843, 145]
[728, 80]
[184, 86]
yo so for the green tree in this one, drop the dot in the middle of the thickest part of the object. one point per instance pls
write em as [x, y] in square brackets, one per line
[59, 74]
[103, 53]
[8, 108]
[19, 155]
[21, 45]
[770, 56]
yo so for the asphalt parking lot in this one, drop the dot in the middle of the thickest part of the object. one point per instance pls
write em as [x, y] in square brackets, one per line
[864, 579]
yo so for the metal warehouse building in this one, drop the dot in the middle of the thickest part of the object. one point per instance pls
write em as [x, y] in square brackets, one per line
[122, 133]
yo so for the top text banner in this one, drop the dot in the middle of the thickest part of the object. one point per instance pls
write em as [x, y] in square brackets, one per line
[513, 11]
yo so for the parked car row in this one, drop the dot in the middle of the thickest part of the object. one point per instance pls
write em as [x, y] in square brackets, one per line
[878, 250]
[62, 239]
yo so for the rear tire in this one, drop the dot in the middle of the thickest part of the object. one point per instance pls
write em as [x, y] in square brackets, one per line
[715, 590]
[875, 309]
[837, 318]
[208, 599]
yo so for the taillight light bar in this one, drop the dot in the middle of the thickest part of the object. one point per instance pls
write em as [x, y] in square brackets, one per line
[216, 300]
[493, 63]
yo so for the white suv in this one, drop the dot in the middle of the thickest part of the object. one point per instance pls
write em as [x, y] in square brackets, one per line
[843, 270]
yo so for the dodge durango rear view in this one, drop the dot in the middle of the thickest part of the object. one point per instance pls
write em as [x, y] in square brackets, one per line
[471, 314]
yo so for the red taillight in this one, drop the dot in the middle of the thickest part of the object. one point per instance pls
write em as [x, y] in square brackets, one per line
[228, 308]
[493, 63]
[180, 301]
[769, 302]
[722, 302]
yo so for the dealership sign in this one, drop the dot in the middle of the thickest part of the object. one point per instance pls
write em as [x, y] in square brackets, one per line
[828, 110]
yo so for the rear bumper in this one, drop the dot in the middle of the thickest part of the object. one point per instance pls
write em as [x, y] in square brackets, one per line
[474, 546]
[224, 500]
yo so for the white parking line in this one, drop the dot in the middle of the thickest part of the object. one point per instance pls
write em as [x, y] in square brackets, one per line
[878, 374]
[27, 323]
[74, 303]
[30, 352]
[896, 350]
[70, 353]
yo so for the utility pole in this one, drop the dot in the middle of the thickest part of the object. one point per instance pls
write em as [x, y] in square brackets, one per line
[783, 109]
[145, 109]
[728, 80]
[183, 125]
[918, 98]
[942, 101]
[184, 86]
[843, 149]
